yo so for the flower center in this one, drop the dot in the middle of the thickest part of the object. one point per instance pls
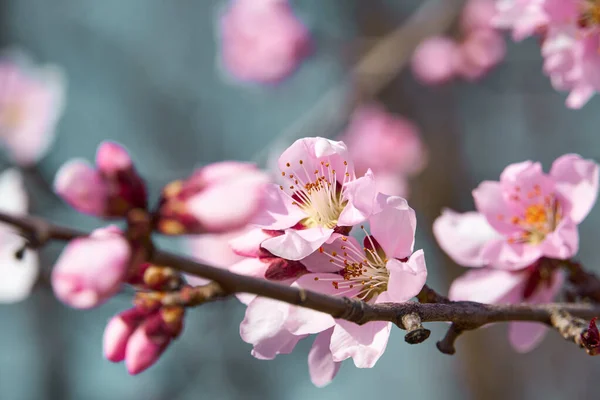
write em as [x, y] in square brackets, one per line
[318, 194]
[364, 269]
[589, 16]
[538, 219]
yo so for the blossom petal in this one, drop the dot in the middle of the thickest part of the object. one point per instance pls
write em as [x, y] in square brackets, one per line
[248, 243]
[297, 244]
[489, 200]
[282, 343]
[303, 321]
[264, 319]
[360, 194]
[231, 205]
[394, 225]
[214, 249]
[321, 261]
[463, 235]
[18, 276]
[14, 197]
[323, 283]
[406, 278]
[525, 336]
[321, 366]
[278, 212]
[364, 343]
[490, 286]
[512, 256]
[576, 180]
[563, 242]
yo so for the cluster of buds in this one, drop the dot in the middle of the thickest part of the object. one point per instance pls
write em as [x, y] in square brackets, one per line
[140, 334]
[92, 269]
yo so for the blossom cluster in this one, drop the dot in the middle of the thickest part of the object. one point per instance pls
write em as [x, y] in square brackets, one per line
[524, 226]
[570, 39]
[478, 48]
[321, 227]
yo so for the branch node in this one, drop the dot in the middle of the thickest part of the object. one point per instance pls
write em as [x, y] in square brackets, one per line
[446, 345]
[416, 333]
[577, 330]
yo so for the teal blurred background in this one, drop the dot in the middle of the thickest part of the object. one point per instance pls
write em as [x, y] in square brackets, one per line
[142, 72]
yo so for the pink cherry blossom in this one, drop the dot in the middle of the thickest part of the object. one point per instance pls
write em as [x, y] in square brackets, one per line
[385, 269]
[523, 17]
[524, 224]
[17, 276]
[478, 15]
[319, 195]
[570, 41]
[480, 51]
[530, 215]
[570, 48]
[91, 269]
[261, 40]
[477, 49]
[433, 62]
[538, 284]
[218, 198]
[388, 144]
[110, 190]
[31, 103]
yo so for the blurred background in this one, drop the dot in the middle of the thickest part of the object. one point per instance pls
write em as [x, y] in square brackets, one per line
[143, 73]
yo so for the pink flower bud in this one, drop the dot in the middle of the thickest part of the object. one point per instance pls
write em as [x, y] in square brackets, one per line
[481, 50]
[118, 330]
[477, 14]
[261, 40]
[82, 187]
[433, 60]
[146, 344]
[218, 198]
[111, 158]
[91, 269]
[111, 190]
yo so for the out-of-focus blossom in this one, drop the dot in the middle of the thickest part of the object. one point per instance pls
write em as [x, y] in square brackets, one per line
[262, 40]
[217, 198]
[473, 54]
[523, 17]
[570, 48]
[383, 270]
[570, 41]
[388, 144]
[525, 222]
[31, 102]
[139, 336]
[17, 276]
[213, 249]
[481, 50]
[112, 189]
[433, 62]
[92, 269]
[320, 195]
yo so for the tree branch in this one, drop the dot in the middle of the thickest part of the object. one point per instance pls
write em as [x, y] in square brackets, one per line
[464, 315]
